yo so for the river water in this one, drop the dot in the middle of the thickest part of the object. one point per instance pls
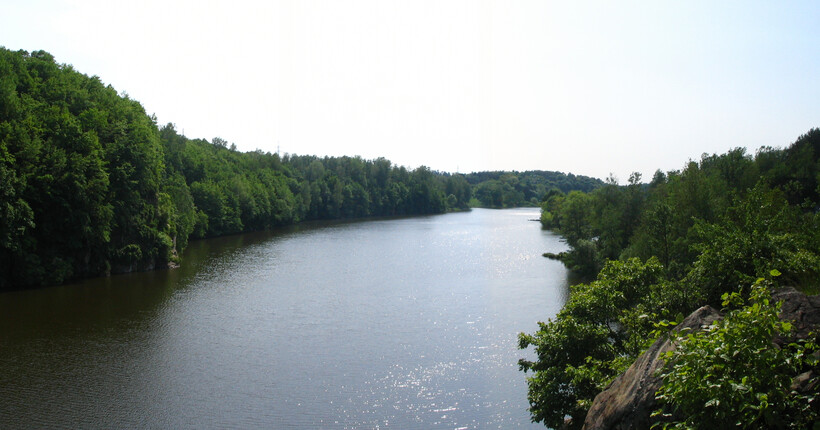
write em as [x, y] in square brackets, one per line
[399, 323]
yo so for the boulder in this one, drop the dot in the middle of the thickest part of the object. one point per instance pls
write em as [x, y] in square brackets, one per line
[630, 399]
[801, 310]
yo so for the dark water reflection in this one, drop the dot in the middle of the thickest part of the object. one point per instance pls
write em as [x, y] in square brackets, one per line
[403, 323]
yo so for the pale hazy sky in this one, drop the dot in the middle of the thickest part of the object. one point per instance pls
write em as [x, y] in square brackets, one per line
[582, 87]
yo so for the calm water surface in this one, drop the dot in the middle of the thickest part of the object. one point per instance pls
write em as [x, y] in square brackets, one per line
[402, 323]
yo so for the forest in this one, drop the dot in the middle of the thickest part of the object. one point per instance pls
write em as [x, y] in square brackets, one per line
[500, 189]
[91, 185]
[723, 231]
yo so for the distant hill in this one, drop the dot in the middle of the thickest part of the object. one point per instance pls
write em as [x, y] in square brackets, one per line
[499, 189]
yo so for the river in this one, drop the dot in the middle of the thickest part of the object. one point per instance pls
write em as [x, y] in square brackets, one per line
[404, 323]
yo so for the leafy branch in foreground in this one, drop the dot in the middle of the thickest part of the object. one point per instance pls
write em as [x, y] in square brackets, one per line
[732, 374]
[600, 330]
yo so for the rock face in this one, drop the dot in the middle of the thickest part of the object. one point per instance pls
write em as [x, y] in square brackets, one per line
[630, 399]
[803, 311]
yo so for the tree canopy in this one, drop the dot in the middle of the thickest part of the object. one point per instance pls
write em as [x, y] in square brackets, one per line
[661, 250]
[90, 184]
[515, 189]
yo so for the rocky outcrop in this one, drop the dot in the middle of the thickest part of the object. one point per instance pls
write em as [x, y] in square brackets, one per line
[803, 311]
[630, 399]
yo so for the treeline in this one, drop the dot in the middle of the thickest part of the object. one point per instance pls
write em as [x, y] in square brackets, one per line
[233, 192]
[712, 233]
[664, 217]
[515, 189]
[90, 185]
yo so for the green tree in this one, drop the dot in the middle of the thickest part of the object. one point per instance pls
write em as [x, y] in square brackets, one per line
[574, 215]
[589, 342]
[458, 187]
[761, 232]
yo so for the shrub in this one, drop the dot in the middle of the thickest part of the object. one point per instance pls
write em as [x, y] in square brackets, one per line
[733, 375]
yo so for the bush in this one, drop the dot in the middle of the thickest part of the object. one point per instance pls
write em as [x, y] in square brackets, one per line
[589, 342]
[733, 375]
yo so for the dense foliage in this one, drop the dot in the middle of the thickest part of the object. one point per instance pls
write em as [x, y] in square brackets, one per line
[516, 189]
[82, 174]
[89, 184]
[711, 228]
[732, 374]
[233, 191]
[591, 339]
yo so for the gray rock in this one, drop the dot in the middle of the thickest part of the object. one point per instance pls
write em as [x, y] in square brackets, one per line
[630, 399]
[803, 311]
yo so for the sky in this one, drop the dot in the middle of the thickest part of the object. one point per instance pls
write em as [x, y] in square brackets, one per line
[585, 87]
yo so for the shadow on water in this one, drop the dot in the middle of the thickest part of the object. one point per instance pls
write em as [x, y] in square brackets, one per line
[403, 323]
[86, 305]
[574, 278]
[83, 305]
[59, 311]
